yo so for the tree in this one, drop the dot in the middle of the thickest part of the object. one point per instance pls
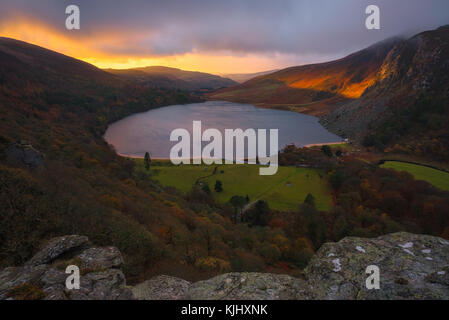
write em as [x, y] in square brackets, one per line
[336, 179]
[258, 214]
[341, 228]
[206, 189]
[310, 200]
[218, 186]
[238, 202]
[327, 150]
[147, 160]
[315, 225]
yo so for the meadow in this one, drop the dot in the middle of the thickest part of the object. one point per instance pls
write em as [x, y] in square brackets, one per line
[284, 191]
[438, 178]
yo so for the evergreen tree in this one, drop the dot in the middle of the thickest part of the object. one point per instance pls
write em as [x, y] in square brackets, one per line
[147, 160]
[218, 186]
[310, 200]
[327, 150]
[206, 189]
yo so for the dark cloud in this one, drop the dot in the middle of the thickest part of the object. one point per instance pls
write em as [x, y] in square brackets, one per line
[299, 27]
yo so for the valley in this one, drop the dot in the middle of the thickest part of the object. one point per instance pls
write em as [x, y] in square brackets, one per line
[164, 219]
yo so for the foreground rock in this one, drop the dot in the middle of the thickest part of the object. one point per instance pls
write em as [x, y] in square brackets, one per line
[411, 267]
[44, 277]
[162, 288]
[24, 154]
[56, 247]
[249, 286]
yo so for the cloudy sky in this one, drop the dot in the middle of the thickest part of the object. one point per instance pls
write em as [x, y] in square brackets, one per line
[219, 36]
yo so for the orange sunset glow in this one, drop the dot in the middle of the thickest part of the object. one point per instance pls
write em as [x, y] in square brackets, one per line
[88, 48]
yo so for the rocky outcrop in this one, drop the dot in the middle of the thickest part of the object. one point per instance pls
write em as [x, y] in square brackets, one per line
[23, 154]
[44, 276]
[249, 286]
[162, 288]
[410, 267]
[415, 67]
[56, 247]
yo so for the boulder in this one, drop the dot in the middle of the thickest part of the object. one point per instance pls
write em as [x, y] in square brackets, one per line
[100, 258]
[162, 288]
[56, 247]
[411, 267]
[105, 285]
[24, 154]
[14, 277]
[249, 286]
[44, 276]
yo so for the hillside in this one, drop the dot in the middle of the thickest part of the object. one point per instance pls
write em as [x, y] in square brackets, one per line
[164, 77]
[243, 77]
[406, 110]
[55, 109]
[313, 89]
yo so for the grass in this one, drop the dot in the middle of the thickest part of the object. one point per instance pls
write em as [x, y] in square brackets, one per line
[439, 179]
[283, 191]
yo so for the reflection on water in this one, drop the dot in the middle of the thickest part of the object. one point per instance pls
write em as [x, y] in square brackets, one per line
[150, 131]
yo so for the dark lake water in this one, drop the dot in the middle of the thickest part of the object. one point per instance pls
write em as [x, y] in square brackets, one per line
[150, 131]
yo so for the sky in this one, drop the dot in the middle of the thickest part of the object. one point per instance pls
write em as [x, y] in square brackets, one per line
[216, 36]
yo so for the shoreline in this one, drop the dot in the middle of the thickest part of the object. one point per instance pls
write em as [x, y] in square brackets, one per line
[213, 100]
[323, 144]
[168, 159]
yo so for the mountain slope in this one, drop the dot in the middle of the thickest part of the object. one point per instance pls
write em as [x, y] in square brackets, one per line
[58, 176]
[243, 77]
[316, 88]
[61, 106]
[407, 108]
[165, 77]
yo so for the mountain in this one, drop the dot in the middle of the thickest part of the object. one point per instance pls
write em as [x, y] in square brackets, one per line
[34, 78]
[407, 107]
[243, 77]
[165, 77]
[313, 89]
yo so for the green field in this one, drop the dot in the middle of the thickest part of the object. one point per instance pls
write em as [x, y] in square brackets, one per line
[439, 179]
[284, 191]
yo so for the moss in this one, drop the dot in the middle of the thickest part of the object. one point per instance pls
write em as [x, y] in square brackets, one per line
[26, 291]
[63, 264]
[85, 271]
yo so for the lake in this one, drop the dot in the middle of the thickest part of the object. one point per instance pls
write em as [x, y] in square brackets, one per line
[150, 131]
